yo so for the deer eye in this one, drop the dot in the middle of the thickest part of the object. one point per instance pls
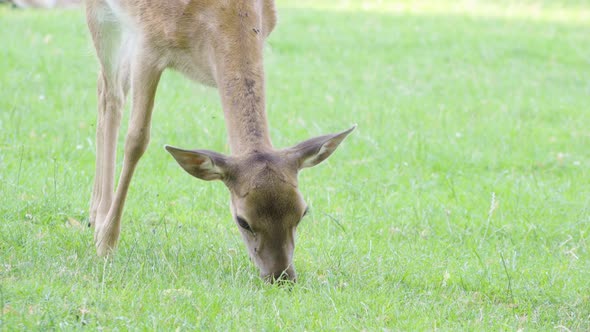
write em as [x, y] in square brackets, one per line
[243, 224]
[305, 212]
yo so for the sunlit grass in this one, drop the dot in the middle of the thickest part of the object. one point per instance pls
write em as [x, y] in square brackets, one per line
[555, 11]
[461, 202]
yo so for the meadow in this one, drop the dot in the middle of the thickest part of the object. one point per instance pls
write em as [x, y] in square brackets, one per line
[461, 202]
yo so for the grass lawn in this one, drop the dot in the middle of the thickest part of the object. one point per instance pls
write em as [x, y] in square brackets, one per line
[462, 201]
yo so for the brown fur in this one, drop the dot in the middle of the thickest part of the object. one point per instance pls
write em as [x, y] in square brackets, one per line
[218, 43]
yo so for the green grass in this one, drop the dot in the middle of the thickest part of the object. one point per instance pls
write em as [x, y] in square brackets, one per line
[464, 194]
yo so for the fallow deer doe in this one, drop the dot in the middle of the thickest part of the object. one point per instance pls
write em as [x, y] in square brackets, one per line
[218, 43]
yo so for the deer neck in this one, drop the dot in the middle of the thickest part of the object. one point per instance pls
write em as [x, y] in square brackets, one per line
[240, 80]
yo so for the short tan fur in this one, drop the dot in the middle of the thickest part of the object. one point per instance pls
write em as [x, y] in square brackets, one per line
[218, 43]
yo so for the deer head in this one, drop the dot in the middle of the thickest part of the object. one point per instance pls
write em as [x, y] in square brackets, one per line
[265, 200]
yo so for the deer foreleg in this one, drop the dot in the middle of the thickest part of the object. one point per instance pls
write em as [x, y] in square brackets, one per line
[144, 81]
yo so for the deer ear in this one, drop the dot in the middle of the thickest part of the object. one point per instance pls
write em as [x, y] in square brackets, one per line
[203, 164]
[315, 150]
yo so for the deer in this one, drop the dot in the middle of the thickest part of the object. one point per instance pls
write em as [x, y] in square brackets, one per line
[218, 43]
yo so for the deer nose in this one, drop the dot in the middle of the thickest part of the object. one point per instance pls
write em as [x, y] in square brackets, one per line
[284, 275]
